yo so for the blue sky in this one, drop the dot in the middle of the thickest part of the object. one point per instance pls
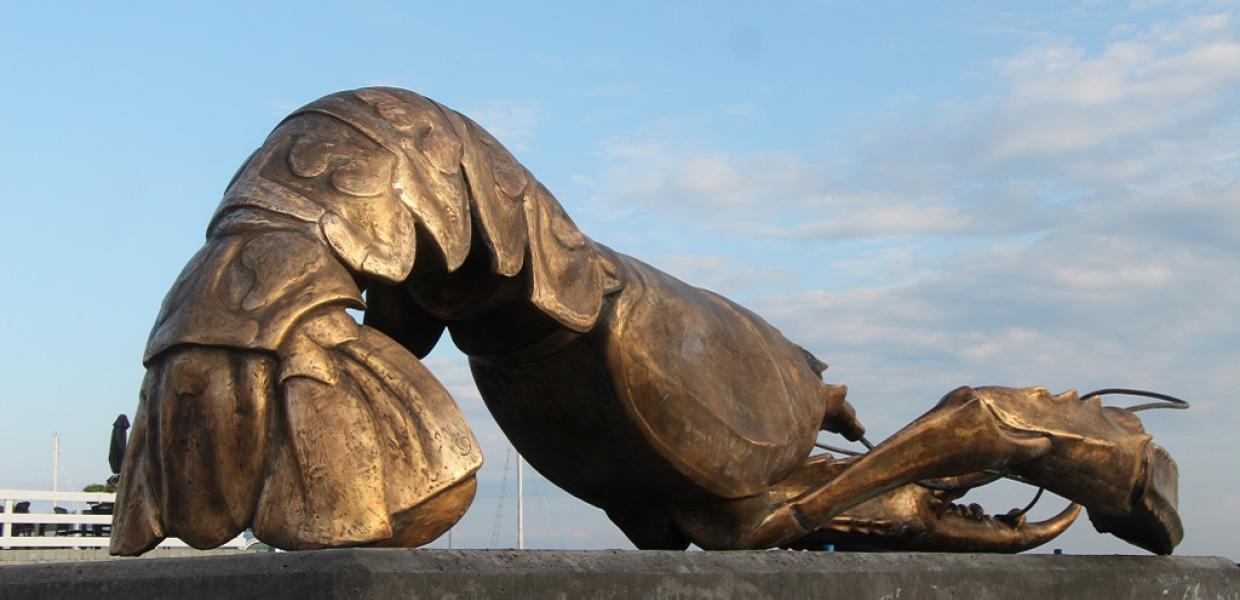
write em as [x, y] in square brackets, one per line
[925, 194]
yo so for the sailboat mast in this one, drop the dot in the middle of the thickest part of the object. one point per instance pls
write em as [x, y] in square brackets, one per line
[55, 464]
[520, 503]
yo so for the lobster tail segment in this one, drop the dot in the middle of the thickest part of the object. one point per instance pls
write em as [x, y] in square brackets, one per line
[371, 165]
[267, 406]
[354, 454]
[346, 441]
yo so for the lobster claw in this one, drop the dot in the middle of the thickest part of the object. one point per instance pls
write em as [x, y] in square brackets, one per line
[913, 518]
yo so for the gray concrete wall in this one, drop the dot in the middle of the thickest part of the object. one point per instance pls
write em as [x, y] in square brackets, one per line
[52, 555]
[473, 574]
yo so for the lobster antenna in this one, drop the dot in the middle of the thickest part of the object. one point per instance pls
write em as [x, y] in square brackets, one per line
[1167, 401]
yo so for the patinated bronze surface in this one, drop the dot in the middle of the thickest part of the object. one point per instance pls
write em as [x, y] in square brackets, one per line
[686, 417]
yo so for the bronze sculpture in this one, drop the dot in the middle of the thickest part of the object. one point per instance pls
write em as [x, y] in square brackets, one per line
[684, 416]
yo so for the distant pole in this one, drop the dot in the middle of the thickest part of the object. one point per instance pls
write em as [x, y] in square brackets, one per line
[55, 464]
[520, 504]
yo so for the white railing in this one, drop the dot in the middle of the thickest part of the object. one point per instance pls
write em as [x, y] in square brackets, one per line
[61, 530]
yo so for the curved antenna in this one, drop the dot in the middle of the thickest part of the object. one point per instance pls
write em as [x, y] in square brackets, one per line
[992, 476]
[1012, 516]
[837, 450]
[1167, 401]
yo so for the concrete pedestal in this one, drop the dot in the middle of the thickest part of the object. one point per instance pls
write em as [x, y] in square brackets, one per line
[485, 574]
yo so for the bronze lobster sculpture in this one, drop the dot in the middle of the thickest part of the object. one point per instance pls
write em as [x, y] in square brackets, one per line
[684, 416]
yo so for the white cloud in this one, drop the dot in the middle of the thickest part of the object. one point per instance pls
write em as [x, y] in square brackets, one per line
[1059, 99]
[721, 273]
[879, 216]
[681, 179]
[626, 89]
[514, 123]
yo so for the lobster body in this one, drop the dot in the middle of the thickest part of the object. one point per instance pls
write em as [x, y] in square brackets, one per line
[686, 417]
[676, 395]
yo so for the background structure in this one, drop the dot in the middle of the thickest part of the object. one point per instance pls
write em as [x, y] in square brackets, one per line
[924, 194]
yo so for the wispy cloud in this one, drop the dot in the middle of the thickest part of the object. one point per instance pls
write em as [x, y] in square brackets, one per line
[1150, 110]
[721, 274]
[625, 89]
[513, 122]
[1062, 100]
[679, 178]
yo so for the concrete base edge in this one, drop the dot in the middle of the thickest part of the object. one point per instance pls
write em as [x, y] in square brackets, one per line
[619, 574]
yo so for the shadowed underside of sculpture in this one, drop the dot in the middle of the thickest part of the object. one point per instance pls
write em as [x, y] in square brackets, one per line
[684, 416]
